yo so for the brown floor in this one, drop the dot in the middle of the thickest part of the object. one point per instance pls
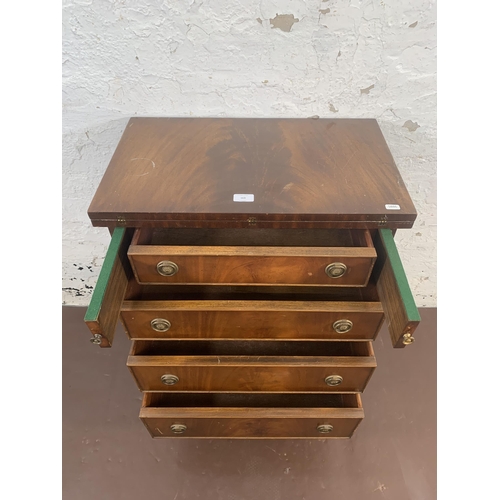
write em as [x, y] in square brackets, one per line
[108, 454]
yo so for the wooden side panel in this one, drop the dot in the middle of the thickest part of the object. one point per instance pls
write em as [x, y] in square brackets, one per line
[394, 291]
[104, 308]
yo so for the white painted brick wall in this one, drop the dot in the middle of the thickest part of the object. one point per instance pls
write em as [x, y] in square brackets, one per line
[246, 58]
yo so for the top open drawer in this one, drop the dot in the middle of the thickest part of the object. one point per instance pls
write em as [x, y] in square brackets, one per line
[319, 257]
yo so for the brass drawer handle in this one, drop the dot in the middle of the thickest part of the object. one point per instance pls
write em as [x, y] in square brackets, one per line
[167, 268]
[160, 324]
[335, 269]
[333, 380]
[169, 379]
[324, 428]
[408, 339]
[178, 428]
[342, 326]
[96, 339]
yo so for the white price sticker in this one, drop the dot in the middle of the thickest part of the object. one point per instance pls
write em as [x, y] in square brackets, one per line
[392, 207]
[243, 197]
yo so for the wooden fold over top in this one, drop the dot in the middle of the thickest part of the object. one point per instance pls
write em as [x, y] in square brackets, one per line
[203, 172]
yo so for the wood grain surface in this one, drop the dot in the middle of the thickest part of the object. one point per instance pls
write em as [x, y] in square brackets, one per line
[251, 415]
[268, 257]
[223, 366]
[253, 265]
[188, 171]
[238, 319]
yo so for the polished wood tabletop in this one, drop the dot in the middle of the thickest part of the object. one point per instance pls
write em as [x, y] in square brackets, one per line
[236, 172]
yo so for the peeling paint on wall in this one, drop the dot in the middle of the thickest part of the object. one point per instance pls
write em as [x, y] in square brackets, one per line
[411, 126]
[284, 22]
[286, 58]
[367, 90]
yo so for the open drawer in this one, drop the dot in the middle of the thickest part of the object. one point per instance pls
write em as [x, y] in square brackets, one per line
[255, 256]
[251, 415]
[266, 366]
[388, 278]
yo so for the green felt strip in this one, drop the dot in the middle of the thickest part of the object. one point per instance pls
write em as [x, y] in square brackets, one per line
[399, 273]
[103, 280]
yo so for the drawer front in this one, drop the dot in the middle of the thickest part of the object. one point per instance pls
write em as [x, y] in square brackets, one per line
[249, 374]
[255, 256]
[234, 375]
[241, 366]
[253, 265]
[267, 421]
[252, 320]
[248, 424]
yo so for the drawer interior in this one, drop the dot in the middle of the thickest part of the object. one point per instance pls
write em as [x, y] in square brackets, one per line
[224, 292]
[235, 400]
[249, 348]
[253, 237]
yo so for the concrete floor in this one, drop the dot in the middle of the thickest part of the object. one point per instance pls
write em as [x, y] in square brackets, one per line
[108, 453]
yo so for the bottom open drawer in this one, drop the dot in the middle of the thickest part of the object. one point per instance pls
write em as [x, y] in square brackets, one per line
[247, 416]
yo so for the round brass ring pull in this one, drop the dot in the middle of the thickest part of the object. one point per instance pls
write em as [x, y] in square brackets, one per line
[335, 269]
[169, 379]
[333, 380]
[324, 428]
[167, 268]
[178, 428]
[160, 324]
[408, 339]
[96, 339]
[342, 326]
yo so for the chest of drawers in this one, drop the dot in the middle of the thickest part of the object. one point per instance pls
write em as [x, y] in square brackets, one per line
[252, 263]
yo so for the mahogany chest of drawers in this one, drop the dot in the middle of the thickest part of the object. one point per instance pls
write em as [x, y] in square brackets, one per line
[252, 263]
